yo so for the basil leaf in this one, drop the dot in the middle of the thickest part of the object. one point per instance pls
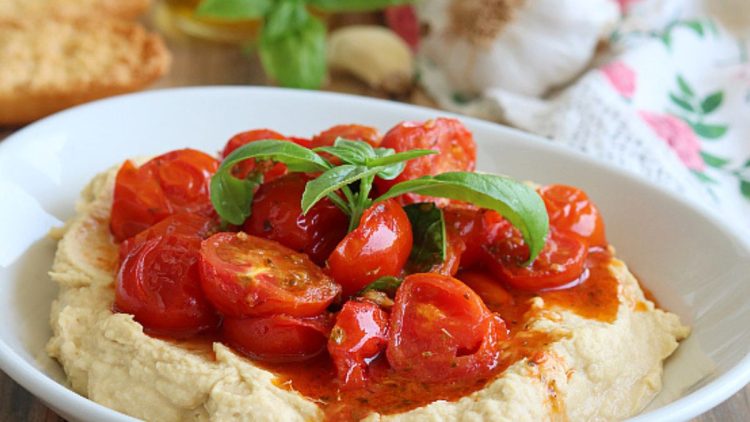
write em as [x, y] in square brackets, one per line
[292, 46]
[233, 9]
[355, 5]
[392, 158]
[517, 202]
[428, 230]
[232, 197]
[331, 181]
[387, 284]
[392, 171]
[351, 152]
[346, 155]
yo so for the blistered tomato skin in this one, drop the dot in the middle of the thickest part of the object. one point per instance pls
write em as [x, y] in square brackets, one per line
[277, 215]
[244, 168]
[441, 331]
[453, 142]
[571, 210]
[466, 223]
[560, 263]
[379, 246]
[246, 276]
[174, 182]
[351, 132]
[359, 335]
[158, 280]
[278, 338]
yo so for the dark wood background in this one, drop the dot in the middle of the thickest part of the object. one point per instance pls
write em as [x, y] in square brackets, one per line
[202, 63]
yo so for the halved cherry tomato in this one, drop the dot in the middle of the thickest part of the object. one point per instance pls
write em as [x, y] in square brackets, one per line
[159, 281]
[488, 288]
[246, 276]
[455, 144]
[571, 210]
[278, 338]
[441, 331]
[242, 169]
[560, 262]
[177, 181]
[360, 335]
[378, 247]
[350, 132]
[277, 215]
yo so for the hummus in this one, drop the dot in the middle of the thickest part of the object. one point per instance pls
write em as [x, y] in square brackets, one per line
[591, 370]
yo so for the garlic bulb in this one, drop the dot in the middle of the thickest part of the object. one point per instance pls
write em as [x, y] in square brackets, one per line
[374, 54]
[520, 46]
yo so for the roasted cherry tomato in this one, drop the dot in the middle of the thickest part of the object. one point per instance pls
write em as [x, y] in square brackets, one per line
[177, 181]
[159, 279]
[277, 215]
[454, 249]
[378, 247]
[466, 222]
[453, 142]
[242, 169]
[441, 331]
[359, 335]
[246, 276]
[560, 262]
[278, 338]
[403, 21]
[571, 210]
[350, 132]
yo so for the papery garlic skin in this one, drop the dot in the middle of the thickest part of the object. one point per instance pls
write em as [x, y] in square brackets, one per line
[542, 44]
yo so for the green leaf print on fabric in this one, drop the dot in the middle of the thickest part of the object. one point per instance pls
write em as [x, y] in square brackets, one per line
[685, 87]
[712, 102]
[709, 132]
[712, 160]
[681, 102]
[694, 110]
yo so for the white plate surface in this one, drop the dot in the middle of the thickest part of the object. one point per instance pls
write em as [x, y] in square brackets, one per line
[691, 260]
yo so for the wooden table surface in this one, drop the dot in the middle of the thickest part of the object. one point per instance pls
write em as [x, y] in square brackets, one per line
[204, 63]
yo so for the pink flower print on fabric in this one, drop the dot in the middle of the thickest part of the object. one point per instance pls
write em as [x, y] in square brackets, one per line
[621, 76]
[678, 135]
[625, 5]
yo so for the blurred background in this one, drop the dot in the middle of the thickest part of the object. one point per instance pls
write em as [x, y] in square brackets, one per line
[660, 88]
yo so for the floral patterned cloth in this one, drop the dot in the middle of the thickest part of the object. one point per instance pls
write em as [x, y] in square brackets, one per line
[669, 98]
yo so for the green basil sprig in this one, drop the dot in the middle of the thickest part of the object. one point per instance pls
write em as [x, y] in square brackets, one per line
[348, 185]
[386, 284]
[292, 41]
[515, 201]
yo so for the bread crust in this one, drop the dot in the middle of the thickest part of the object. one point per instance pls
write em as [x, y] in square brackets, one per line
[72, 9]
[52, 64]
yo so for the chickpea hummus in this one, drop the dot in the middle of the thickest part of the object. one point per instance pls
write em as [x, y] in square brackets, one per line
[589, 370]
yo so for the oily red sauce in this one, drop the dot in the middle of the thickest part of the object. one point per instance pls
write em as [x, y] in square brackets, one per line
[389, 392]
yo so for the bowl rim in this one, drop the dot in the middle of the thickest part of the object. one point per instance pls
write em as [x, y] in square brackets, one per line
[66, 401]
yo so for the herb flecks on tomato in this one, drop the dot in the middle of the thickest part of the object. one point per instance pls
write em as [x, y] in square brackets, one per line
[277, 215]
[159, 280]
[177, 181]
[441, 330]
[246, 276]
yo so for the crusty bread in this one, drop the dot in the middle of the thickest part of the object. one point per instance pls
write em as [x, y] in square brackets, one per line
[47, 65]
[122, 9]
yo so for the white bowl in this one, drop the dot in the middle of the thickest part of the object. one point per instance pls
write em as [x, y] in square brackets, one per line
[689, 258]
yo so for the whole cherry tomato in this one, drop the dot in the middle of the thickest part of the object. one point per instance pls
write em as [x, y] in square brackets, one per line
[560, 262]
[453, 142]
[177, 181]
[466, 222]
[441, 331]
[350, 132]
[277, 215]
[571, 210]
[242, 169]
[378, 247]
[359, 335]
[246, 276]
[159, 281]
[277, 338]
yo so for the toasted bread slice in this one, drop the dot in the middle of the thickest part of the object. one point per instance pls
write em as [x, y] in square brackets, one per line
[122, 9]
[48, 65]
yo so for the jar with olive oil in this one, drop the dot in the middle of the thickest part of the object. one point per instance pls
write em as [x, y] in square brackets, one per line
[179, 16]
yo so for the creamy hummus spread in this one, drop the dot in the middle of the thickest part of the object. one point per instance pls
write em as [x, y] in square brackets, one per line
[591, 370]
